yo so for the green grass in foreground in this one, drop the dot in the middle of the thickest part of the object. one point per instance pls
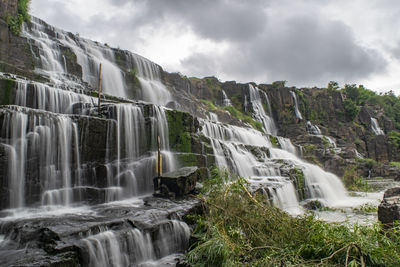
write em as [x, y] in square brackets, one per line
[241, 230]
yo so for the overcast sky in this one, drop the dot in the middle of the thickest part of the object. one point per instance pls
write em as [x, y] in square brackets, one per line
[305, 42]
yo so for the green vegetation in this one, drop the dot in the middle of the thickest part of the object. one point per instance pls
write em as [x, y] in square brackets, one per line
[366, 208]
[209, 104]
[15, 22]
[360, 96]
[395, 163]
[240, 229]
[279, 84]
[309, 149]
[369, 163]
[394, 139]
[333, 86]
[179, 134]
[245, 118]
[274, 141]
[354, 182]
[351, 109]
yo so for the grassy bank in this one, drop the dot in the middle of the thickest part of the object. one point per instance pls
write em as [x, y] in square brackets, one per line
[239, 229]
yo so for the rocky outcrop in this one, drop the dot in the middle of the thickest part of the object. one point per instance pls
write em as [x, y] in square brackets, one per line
[389, 209]
[179, 183]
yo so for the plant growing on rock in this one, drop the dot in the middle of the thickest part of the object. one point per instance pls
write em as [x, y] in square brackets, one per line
[15, 22]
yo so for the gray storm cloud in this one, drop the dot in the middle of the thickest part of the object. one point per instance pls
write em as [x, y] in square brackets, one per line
[265, 42]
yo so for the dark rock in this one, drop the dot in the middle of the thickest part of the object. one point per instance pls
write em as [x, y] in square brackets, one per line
[389, 209]
[313, 205]
[178, 183]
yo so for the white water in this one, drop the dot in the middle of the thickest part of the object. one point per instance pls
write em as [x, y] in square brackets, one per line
[229, 147]
[259, 112]
[225, 100]
[45, 97]
[149, 75]
[89, 55]
[51, 139]
[287, 145]
[296, 106]
[213, 117]
[135, 247]
[313, 129]
[375, 127]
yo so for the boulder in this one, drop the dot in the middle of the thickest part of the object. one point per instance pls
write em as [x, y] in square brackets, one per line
[178, 183]
[389, 209]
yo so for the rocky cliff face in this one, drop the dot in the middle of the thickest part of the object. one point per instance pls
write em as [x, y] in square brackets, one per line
[59, 148]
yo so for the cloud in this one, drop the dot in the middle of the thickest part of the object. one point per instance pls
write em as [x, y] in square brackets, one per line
[306, 42]
[300, 49]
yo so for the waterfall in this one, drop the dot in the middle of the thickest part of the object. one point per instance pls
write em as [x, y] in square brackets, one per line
[231, 147]
[135, 247]
[375, 127]
[51, 61]
[287, 145]
[225, 100]
[45, 97]
[48, 139]
[259, 112]
[133, 165]
[149, 75]
[296, 106]
[213, 117]
[313, 129]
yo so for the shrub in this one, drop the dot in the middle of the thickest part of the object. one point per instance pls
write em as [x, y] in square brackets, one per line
[239, 229]
[15, 22]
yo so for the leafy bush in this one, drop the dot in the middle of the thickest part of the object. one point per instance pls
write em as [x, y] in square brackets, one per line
[239, 229]
[353, 181]
[351, 109]
[15, 22]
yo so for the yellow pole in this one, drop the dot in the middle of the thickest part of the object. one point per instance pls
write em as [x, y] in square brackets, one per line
[99, 93]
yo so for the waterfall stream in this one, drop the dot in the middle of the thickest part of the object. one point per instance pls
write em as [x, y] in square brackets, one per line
[85, 173]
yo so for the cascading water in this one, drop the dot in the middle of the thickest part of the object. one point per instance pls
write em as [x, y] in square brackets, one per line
[50, 140]
[45, 97]
[88, 55]
[53, 49]
[375, 127]
[135, 247]
[259, 112]
[233, 145]
[313, 129]
[296, 106]
[149, 75]
[225, 99]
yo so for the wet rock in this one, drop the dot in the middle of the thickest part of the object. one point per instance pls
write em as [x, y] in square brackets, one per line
[389, 209]
[178, 183]
[313, 205]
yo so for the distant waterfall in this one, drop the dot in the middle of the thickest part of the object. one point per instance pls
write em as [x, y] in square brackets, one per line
[259, 112]
[296, 106]
[313, 129]
[225, 100]
[375, 127]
